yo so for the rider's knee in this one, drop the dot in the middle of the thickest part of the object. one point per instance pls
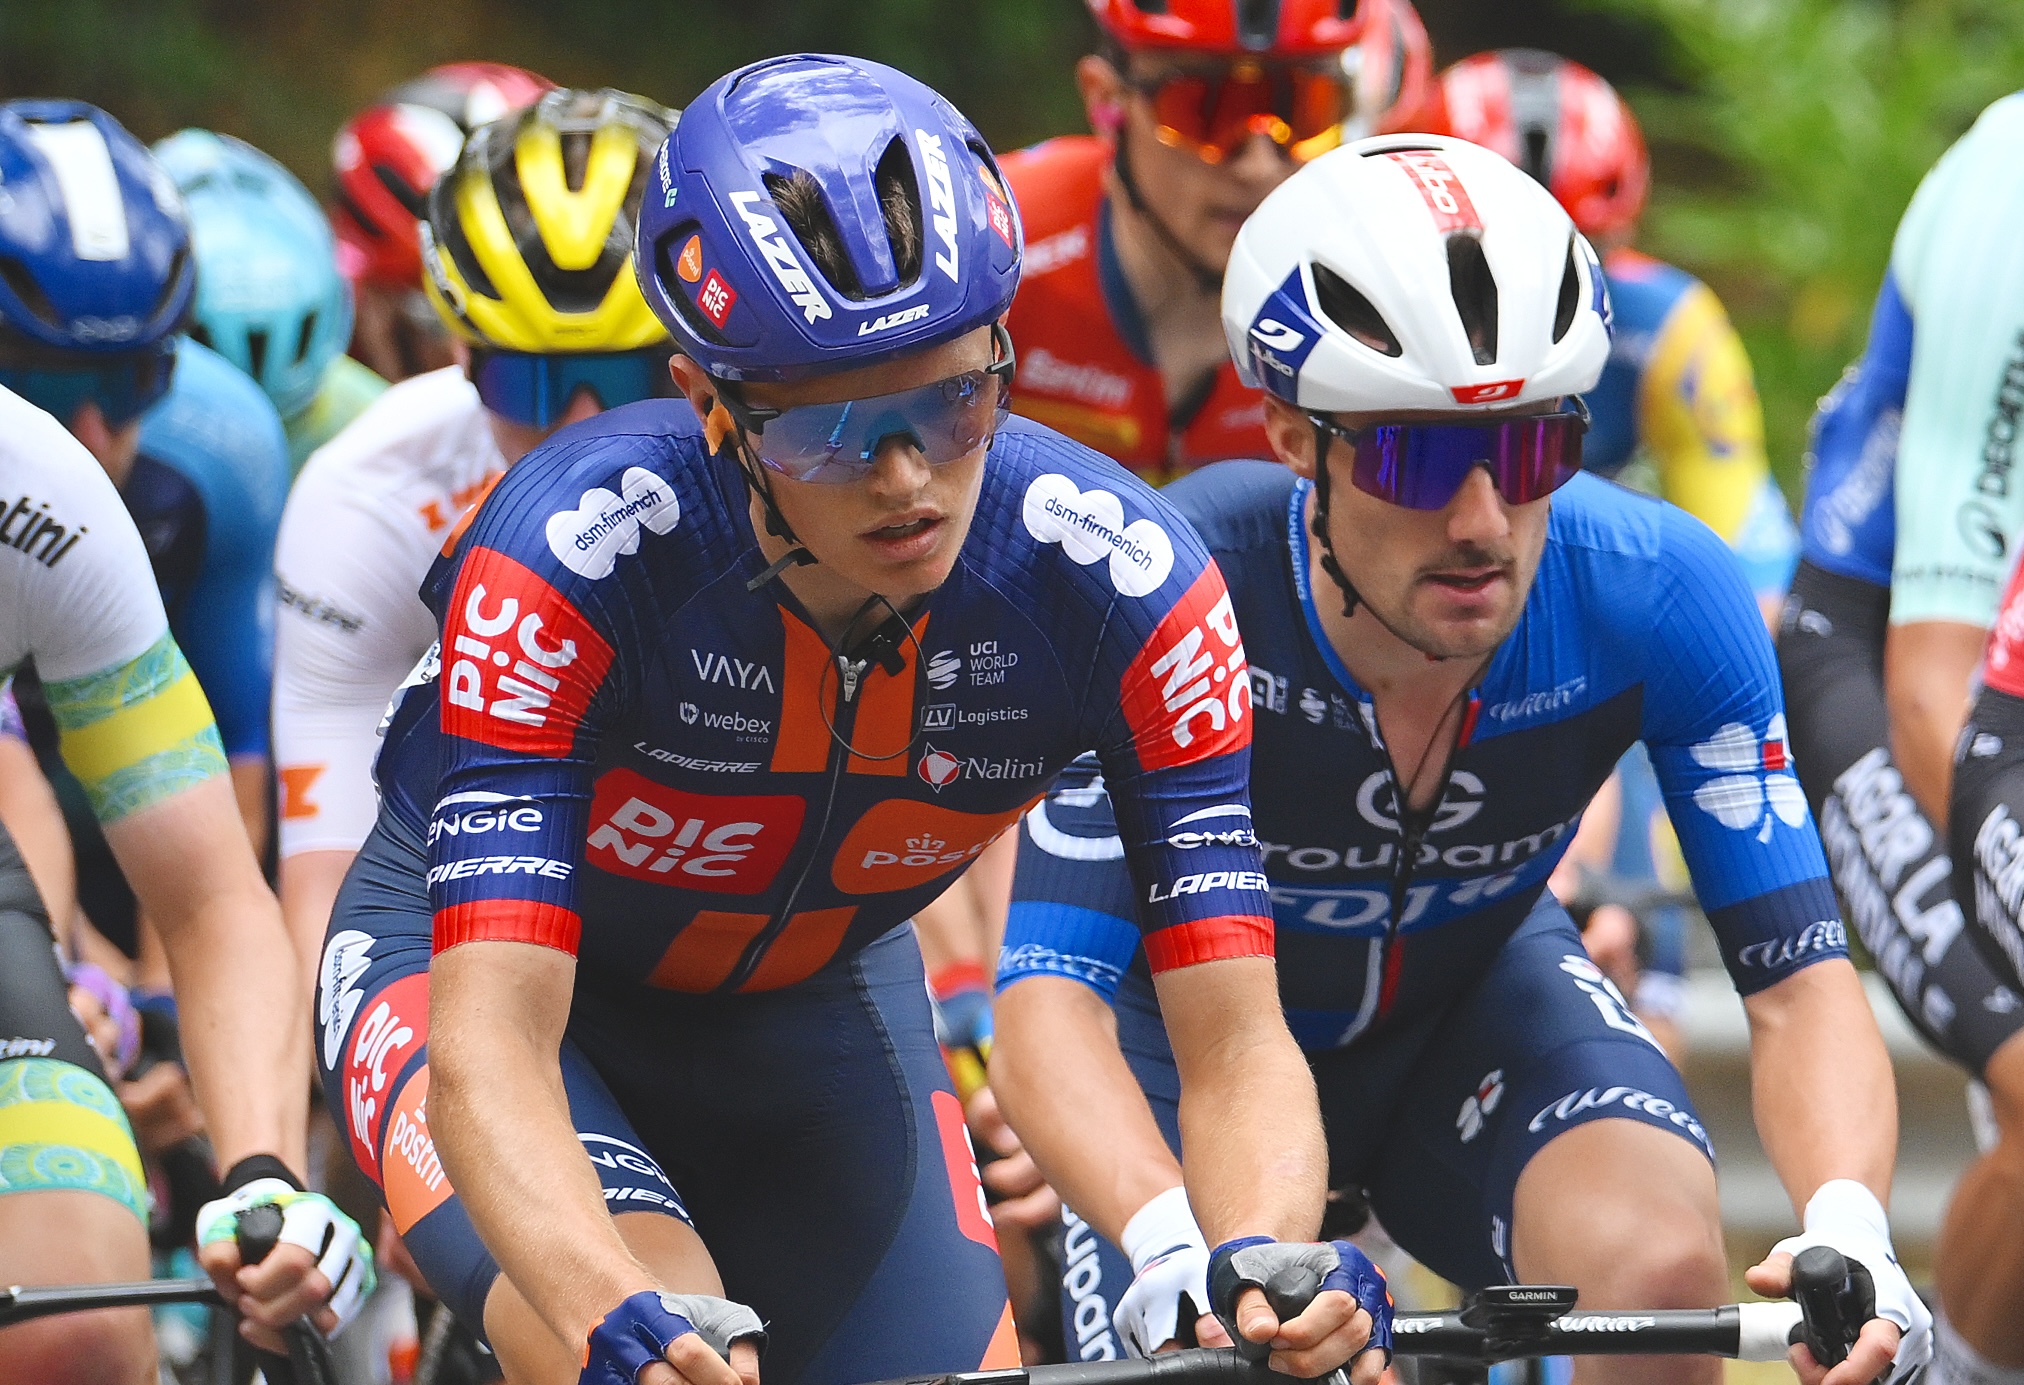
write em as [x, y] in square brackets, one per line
[1668, 1256]
[107, 1348]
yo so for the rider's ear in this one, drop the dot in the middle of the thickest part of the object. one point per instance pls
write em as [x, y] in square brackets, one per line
[1291, 436]
[1103, 93]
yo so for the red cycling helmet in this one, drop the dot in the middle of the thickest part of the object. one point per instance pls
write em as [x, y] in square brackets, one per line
[1392, 67]
[1559, 122]
[1238, 28]
[388, 156]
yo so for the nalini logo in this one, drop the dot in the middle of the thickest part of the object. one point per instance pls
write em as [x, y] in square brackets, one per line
[1089, 525]
[939, 768]
[1756, 787]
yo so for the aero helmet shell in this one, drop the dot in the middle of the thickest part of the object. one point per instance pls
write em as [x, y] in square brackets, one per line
[269, 296]
[94, 246]
[1410, 272]
[741, 295]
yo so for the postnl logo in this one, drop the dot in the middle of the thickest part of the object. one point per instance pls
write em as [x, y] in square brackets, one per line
[898, 845]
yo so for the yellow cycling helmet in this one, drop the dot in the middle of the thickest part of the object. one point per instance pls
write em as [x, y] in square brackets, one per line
[528, 242]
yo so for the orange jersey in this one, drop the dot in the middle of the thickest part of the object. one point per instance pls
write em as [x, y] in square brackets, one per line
[1085, 368]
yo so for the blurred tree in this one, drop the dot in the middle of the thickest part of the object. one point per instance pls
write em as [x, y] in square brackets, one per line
[1795, 136]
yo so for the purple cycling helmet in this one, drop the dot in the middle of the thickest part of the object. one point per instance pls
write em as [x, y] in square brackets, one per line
[742, 296]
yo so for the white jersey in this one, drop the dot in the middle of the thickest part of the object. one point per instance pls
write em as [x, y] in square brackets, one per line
[77, 594]
[369, 513]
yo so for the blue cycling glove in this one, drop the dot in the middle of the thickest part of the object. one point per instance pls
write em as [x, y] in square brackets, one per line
[1298, 1270]
[636, 1334]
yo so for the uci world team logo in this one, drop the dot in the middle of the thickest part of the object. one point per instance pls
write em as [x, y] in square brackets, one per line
[1755, 786]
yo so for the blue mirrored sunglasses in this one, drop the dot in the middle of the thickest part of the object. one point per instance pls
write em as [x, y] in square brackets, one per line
[535, 390]
[1422, 465]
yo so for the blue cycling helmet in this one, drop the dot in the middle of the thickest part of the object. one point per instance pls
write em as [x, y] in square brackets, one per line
[94, 248]
[269, 296]
[732, 279]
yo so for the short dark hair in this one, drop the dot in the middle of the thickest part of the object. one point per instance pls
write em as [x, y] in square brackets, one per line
[799, 198]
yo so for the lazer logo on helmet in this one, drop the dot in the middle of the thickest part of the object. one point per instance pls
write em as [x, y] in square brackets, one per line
[887, 321]
[523, 663]
[941, 200]
[793, 278]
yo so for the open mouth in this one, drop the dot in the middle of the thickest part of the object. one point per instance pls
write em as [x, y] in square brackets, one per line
[895, 532]
[1472, 583]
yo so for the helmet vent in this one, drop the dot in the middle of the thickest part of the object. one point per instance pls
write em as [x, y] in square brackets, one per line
[899, 198]
[412, 198]
[567, 290]
[1341, 303]
[173, 282]
[201, 334]
[448, 229]
[799, 199]
[28, 291]
[1257, 24]
[1475, 293]
[1570, 297]
[306, 339]
[256, 353]
[1536, 158]
[1151, 6]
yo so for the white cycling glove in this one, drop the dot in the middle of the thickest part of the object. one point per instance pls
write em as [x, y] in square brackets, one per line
[1845, 1216]
[1169, 1261]
[309, 1220]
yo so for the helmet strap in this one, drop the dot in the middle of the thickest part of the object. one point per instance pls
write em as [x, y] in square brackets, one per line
[797, 554]
[1350, 597]
[1207, 280]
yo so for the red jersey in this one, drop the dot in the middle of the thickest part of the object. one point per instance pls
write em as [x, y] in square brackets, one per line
[1085, 367]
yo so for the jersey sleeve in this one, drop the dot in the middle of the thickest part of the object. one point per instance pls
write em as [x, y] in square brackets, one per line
[1072, 913]
[1960, 267]
[1849, 523]
[1714, 723]
[134, 726]
[532, 668]
[1700, 416]
[348, 627]
[1175, 747]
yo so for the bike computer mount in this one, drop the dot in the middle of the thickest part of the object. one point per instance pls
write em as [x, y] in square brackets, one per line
[1518, 1315]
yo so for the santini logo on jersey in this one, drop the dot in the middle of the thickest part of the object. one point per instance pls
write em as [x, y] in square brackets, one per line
[589, 539]
[780, 259]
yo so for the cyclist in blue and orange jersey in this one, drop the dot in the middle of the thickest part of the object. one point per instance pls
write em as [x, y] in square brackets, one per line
[716, 708]
[269, 296]
[1910, 524]
[384, 161]
[80, 606]
[1200, 108]
[1456, 635]
[89, 331]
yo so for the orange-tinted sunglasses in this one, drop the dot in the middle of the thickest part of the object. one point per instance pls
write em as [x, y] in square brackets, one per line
[1299, 107]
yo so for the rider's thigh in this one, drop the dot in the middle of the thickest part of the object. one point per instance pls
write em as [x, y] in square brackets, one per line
[1626, 1212]
[65, 1236]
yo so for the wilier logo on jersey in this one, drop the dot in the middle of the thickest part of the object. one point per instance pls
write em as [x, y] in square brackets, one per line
[1187, 692]
[1089, 525]
[1757, 787]
[522, 664]
[589, 539]
[723, 844]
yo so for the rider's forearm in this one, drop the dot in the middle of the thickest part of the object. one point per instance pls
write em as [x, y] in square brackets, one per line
[1256, 1161]
[1821, 1082]
[244, 1012]
[1926, 671]
[1062, 1084]
[501, 1123]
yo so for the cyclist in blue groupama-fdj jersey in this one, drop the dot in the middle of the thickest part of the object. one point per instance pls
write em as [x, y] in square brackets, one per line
[1445, 675]
[715, 710]
[1911, 519]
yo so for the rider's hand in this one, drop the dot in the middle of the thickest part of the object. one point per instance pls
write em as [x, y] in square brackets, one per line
[160, 1106]
[321, 1266]
[1347, 1322]
[1170, 1271]
[1020, 1196]
[1847, 1216]
[704, 1340]
[1610, 938]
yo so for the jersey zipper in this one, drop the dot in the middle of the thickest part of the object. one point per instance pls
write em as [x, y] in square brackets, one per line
[850, 675]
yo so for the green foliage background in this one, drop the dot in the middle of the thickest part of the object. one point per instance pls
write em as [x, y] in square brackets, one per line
[1787, 134]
